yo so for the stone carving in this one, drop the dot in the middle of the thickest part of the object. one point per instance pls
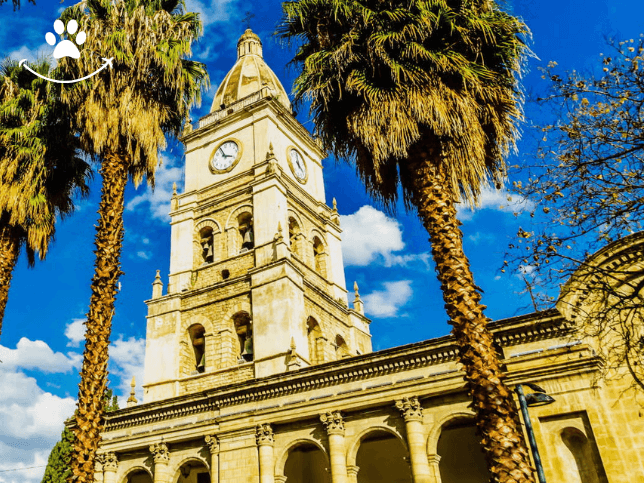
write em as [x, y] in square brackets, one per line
[110, 462]
[333, 422]
[213, 443]
[410, 408]
[352, 470]
[264, 434]
[160, 452]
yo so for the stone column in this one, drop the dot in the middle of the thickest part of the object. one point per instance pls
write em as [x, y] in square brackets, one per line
[98, 467]
[265, 440]
[161, 458]
[352, 472]
[412, 413]
[110, 465]
[213, 446]
[334, 425]
[434, 470]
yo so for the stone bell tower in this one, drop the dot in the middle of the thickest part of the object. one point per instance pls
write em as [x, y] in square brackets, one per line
[256, 283]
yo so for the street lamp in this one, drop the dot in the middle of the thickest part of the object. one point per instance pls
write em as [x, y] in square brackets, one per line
[537, 398]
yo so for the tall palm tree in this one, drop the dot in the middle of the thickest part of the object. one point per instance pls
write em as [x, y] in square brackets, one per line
[40, 171]
[423, 96]
[123, 115]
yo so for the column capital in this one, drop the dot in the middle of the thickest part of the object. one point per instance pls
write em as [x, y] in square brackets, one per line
[264, 434]
[280, 479]
[352, 470]
[160, 453]
[213, 443]
[434, 459]
[410, 408]
[109, 461]
[333, 422]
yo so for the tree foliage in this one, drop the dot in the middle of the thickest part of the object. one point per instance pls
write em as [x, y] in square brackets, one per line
[58, 468]
[16, 3]
[40, 170]
[123, 115]
[587, 186]
[424, 98]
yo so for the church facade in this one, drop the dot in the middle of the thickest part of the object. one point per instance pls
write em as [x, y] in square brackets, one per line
[259, 366]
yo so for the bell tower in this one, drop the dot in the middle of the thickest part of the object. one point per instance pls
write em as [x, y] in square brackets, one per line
[256, 284]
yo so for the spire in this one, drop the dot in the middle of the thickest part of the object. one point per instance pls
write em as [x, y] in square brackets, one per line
[335, 216]
[157, 286]
[358, 304]
[131, 401]
[249, 44]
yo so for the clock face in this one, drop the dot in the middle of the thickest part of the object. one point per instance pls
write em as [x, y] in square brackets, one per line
[297, 164]
[225, 156]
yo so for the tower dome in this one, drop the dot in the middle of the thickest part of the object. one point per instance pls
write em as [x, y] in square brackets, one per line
[249, 75]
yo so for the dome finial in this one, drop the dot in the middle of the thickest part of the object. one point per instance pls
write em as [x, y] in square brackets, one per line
[249, 44]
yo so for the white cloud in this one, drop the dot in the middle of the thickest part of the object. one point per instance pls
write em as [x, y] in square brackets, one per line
[480, 237]
[369, 235]
[32, 55]
[144, 255]
[31, 418]
[158, 200]
[387, 302]
[211, 11]
[495, 200]
[75, 332]
[37, 355]
[127, 357]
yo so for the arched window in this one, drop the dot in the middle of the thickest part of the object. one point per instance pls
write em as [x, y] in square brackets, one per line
[207, 242]
[193, 472]
[319, 256]
[316, 349]
[295, 237]
[138, 476]
[341, 347]
[578, 461]
[462, 459]
[245, 224]
[198, 340]
[244, 331]
[383, 458]
[306, 463]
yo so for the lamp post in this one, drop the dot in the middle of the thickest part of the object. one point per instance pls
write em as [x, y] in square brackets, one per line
[537, 398]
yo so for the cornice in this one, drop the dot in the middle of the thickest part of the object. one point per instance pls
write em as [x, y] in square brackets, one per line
[362, 367]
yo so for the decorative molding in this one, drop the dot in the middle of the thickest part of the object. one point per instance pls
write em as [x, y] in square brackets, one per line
[410, 408]
[333, 422]
[160, 453]
[213, 443]
[352, 470]
[264, 434]
[110, 462]
[401, 359]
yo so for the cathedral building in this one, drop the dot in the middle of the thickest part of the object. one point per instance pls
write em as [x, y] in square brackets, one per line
[259, 365]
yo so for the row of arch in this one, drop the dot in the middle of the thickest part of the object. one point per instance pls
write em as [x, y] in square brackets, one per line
[209, 240]
[235, 345]
[380, 454]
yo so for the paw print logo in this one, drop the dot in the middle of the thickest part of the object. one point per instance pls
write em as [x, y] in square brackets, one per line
[66, 48]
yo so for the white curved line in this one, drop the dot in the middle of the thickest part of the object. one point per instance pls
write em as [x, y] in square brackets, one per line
[107, 62]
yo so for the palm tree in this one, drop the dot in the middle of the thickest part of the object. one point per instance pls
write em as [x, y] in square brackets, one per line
[39, 170]
[123, 115]
[16, 4]
[423, 96]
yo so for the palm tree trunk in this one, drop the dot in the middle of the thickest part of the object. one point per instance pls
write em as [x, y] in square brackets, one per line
[109, 237]
[9, 251]
[496, 414]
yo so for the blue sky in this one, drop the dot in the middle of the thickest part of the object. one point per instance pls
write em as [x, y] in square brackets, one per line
[389, 257]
